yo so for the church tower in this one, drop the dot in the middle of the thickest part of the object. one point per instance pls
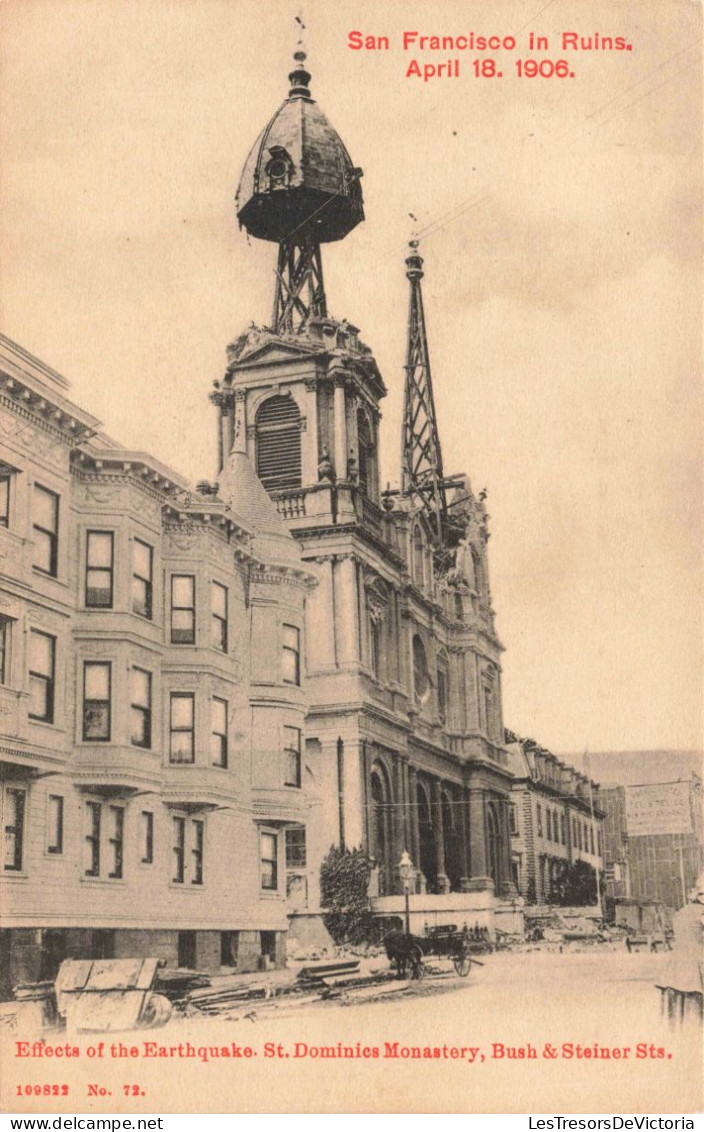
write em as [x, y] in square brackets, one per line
[404, 742]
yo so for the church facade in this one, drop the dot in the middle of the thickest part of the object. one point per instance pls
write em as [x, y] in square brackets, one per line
[404, 731]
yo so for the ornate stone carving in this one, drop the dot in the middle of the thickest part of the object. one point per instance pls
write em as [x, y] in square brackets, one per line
[106, 494]
[326, 468]
[173, 542]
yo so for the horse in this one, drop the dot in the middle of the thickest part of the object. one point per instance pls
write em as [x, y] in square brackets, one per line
[406, 952]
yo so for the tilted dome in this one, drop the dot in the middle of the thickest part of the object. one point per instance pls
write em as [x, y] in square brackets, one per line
[299, 179]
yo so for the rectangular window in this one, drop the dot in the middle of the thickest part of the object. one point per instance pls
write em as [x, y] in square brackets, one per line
[218, 619]
[563, 829]
[45, 524]
[512, 819]
[93, 839]
[14, 829]
[548, 825]
[197, 851]
[181, 742]
[42, 654]
[291, 655]
[99, 569]
[183, 609]
[96, 701]
[269, 861]
[141, 708]
[5, 630]
[147, 834]
[55, 824]
[540, 820]
[296, 847]
[142, 568]
[292, 755]
[218, 739]
[591, 839]
[5, 482]
[116, 841]
[179, 850]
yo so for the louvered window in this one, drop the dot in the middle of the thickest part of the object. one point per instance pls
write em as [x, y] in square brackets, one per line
[279, 444]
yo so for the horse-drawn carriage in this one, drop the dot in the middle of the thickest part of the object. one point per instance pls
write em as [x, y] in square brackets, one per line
[408, 951]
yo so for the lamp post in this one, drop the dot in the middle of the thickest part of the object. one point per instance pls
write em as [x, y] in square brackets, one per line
[407, 873]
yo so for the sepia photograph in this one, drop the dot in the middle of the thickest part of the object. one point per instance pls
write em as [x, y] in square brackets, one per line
[351, 523]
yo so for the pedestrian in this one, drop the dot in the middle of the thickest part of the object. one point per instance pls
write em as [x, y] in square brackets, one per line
[683, 989]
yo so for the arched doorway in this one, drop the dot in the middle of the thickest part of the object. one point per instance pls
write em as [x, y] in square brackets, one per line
[381, 842]
[451, 838]
[494, 846]
[428, 860]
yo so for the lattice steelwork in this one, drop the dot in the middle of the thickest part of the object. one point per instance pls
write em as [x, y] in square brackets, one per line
[299, 293]
[421, 457]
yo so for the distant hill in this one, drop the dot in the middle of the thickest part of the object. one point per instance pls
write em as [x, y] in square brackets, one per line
[633, 768]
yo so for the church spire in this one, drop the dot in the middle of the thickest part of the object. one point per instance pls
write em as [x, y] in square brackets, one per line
[421, 457]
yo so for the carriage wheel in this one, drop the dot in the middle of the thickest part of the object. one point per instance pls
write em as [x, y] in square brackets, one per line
[416, 963]
[462, 964]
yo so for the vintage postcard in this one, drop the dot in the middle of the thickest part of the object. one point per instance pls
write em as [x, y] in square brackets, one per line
[350, 557]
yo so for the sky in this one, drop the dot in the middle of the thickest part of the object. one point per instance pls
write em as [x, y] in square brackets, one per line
[560, 226]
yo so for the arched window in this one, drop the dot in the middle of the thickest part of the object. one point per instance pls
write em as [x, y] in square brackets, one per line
[278, 429]
[366, 455]
[421, 679]
[443, 686]
[418, 564]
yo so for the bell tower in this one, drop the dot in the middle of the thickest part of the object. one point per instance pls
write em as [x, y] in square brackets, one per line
[301, 395]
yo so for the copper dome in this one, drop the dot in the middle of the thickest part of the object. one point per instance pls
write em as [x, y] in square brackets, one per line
[299, 179]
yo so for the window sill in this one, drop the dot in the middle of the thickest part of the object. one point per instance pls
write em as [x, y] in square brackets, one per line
[104, 882]
[15, 874]
[185, 886]
[44, 573]
[44, 723]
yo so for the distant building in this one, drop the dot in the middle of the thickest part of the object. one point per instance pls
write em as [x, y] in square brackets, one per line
[556, 819]
[653, 832]
[654, 845]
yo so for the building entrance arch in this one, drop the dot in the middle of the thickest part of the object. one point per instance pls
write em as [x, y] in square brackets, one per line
[381, 839]
[428, 858]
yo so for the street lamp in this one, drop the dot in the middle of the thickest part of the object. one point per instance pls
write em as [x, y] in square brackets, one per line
[407, 873]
